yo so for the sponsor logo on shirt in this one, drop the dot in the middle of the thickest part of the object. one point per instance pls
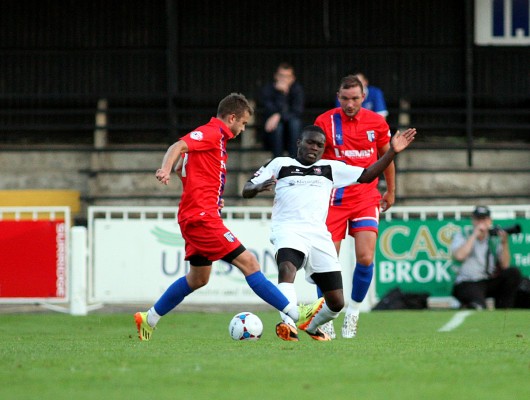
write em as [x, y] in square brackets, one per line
[357, 153]
[196, 135]
[305, 182]
[230, 237]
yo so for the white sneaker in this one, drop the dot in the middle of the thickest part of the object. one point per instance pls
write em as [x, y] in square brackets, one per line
[329, 329]
[349, 327]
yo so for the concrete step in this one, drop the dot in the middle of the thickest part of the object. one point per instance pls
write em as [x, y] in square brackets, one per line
[453, 201]
[141, 183]
[170, 202]
[127, 160]
[247, 159]
[429, 159]
[107, 183]
[32, 161]
[126, 177]
[151, 159]
[461, 183]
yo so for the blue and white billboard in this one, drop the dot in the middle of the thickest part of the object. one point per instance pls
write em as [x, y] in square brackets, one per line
[502, 22]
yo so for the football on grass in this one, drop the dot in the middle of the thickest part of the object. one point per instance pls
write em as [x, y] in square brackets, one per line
[245, 326]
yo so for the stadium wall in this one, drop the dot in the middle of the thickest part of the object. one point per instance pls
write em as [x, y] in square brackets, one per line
[175, 59]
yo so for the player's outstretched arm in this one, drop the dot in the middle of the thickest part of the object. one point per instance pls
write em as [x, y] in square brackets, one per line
[399, 142]
[251, 190]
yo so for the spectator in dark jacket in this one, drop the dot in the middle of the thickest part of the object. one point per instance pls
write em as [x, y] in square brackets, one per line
[283, 102]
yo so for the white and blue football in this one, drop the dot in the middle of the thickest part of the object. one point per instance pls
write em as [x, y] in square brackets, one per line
[245, 326]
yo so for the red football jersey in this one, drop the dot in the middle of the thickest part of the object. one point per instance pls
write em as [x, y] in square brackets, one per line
[204, 169]
[356, 142]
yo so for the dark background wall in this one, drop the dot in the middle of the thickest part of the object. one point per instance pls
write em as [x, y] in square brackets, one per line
[170, 57]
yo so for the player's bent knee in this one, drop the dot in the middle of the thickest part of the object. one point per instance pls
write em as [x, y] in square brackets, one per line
[199, 274]
[364, 259]
[246, 262]
[286, 272]
[335, 301]
[331, 285]
[197, 282]
[201, 283]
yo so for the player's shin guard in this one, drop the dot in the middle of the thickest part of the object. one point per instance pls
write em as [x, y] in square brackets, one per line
[173, 296]
[362, 277]
[269, 293]
[288, 291]
[323, 316]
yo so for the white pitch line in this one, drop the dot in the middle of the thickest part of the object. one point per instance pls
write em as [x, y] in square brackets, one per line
[456, 321]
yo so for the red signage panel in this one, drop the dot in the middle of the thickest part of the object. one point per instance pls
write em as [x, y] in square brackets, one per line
[32, 259]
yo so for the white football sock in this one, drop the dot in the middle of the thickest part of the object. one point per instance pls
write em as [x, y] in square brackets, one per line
[353, 308]
[321, 317]
[153, 317]
[289, 291]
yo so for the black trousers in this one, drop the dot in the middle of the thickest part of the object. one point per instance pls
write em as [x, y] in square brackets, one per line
[502, 288]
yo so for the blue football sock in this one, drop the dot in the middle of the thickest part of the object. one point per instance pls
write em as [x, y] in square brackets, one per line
[362, 277]
[173, 296]
[267, 291]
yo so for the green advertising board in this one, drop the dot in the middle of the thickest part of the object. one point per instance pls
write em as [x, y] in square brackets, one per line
[414, 255]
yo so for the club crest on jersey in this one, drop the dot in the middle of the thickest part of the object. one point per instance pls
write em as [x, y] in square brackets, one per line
[317, 171]
[370, 135]
[230, 237]
[196, 135]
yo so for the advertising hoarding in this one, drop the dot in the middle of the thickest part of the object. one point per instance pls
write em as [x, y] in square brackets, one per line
[135, 260]
[33, 259]
[414, 255]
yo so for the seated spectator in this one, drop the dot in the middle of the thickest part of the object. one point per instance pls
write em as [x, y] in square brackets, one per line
[374, 100]
[482, 257]
[283, 102]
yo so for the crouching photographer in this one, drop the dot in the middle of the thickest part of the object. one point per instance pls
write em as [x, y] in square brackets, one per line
[482, 257]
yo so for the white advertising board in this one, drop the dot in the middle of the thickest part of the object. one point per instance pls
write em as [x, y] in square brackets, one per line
[135, 260]
[502, 22]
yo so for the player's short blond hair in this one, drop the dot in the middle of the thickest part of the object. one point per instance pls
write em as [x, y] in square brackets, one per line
[234, 103]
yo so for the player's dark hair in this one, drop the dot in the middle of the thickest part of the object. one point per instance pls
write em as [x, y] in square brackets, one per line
[234, 103]
[310, 129]
[349, 82]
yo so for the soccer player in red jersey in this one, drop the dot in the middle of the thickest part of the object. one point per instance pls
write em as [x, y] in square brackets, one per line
[200, 159]
[356, 136]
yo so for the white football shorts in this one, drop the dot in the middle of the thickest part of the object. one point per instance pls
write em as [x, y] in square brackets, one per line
[317, 246]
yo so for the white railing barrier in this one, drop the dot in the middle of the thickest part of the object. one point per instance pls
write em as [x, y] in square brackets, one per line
[144, 244]
[79, 273]
[78, 276]
[251, 224]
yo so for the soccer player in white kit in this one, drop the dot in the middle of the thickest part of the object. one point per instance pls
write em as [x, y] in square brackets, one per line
[298, 227]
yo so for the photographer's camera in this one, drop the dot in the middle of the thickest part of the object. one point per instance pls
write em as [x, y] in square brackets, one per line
[510, 230]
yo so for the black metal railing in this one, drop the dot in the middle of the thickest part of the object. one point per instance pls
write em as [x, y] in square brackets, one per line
[148, 118]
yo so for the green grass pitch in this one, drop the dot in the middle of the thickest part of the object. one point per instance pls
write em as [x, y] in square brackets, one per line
[397, 355]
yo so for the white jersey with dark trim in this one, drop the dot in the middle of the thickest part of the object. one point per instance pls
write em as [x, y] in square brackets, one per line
[303, 191]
